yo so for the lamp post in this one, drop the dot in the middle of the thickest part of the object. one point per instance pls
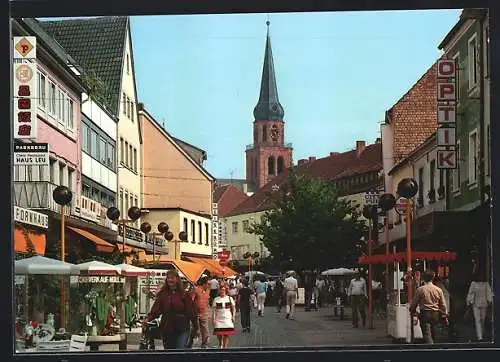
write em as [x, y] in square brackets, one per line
[62, 195]
[134, 213]
[371, 213]
[162, 230]
[387, 202]
[250, 257]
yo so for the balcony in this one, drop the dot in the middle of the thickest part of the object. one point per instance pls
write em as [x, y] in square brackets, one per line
[37, 195]
[268, 144]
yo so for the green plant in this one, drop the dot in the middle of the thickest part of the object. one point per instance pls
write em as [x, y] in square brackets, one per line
[129, 311]
[101, 310]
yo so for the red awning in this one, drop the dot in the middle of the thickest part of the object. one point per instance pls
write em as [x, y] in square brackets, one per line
[401, 257]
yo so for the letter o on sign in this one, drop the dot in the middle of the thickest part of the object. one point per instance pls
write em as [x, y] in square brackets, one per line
[446, 68]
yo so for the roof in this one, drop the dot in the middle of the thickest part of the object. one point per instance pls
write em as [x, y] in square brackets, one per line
[467, 14]
[227, 198]
[413, 117]
[268, 107]
[334, 167]
[182, 143]
[431, 141]
[98, 46]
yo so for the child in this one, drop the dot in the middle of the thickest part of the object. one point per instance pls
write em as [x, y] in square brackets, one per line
[223, 317]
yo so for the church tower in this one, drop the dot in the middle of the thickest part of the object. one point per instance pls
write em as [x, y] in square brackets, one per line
[268, 156]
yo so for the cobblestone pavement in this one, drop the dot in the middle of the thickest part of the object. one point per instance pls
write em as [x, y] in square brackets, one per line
[314, 328]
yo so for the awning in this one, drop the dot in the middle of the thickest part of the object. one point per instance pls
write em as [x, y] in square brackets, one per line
[21, 242]
[213, 266]
[191, 271]
[401, 257]
[100, 244]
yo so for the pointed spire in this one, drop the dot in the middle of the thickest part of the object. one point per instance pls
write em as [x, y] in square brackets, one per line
[268, 107]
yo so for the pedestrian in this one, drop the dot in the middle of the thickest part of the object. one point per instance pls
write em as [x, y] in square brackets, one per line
[223, 316]
[431, 302]
[177, 310]
[320, 291]
[214, 288]
[291, 287]
[278, 295]
[245, 302]
[201, 297]
[357, 299]
[479, 299]
[260, 292]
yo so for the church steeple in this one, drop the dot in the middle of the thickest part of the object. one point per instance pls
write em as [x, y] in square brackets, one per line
[268, 107]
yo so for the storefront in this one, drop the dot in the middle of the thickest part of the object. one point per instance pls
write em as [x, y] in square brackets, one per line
[30, 231]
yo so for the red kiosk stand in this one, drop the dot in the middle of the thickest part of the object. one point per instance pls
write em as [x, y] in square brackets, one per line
[398, 315]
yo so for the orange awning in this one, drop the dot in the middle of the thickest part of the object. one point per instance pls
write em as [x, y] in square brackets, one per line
[191, 271]
[100, 244]
[39, 241]
[213, 266]
[128, 249]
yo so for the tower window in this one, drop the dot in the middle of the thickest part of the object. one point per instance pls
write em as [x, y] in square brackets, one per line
[264, 133]
[281, 164]
[270, 166]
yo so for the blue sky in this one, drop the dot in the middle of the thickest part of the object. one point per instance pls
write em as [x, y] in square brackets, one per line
[337, 74]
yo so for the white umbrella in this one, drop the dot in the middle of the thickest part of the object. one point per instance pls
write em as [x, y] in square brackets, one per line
[338, 272]
[132, 270]
[42, 265]
[254, 272]
[98, 268]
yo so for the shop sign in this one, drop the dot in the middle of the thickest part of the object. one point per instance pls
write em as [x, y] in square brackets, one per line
[215, 229]
[31, 217]
[25, 88]
[88, 209]
[105, 279]
[131, 233]
[371, 198]
[31, 154]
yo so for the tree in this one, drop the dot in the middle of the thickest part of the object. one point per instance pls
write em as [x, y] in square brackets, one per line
[310, 226]
[98, 89]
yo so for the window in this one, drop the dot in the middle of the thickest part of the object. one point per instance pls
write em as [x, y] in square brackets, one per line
[126, 154]
[71, 114]
[281, 164]
[135, 159]
[128, 107]
[41, 90]
[71, 178]
[52, 170]
[131, 154]
[60, 106]
[111, 156]
[121, 150]
[200, 233]
[488, 151]
[124, 103]
[206, 234]
[136, 201]
[85, 190]
[472, 61]
[121, 206]
[234, 226]
[52, 98]
[61, 174]
[270, 165]
[85, 138]
[245, 226]
[42, 173]
[132, 200]
[473, 159]
[441, 178]
[264, 133]
[193, 231]
[132, 111]
[29, 173]
[456, 58]
[128, 65]
[432, 175]
[185, 225]
[456, 172]
[127, 206]
[421, 185]
[94, 144]
[102, 151]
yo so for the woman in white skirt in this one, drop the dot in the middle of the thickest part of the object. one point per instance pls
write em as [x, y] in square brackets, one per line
[223, 317]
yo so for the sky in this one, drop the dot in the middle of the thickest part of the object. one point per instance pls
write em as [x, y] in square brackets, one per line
[337, 74]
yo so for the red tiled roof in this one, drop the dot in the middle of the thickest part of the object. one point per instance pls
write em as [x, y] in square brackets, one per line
[329, 168]
[227, 198]
[413, 117]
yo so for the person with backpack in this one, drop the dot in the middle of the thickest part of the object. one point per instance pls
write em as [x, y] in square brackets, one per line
[177, 310]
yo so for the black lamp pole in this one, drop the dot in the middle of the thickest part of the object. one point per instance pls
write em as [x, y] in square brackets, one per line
[163, 229]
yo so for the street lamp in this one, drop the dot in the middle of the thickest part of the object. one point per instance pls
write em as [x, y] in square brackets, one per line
[62, 195]
[134, 213]
[387, 202]
[370, 212]
[250, 257]
[162, 230]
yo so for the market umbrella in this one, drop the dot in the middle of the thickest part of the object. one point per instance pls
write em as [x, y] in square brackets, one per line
[132, 270]
[338, 272]
[98, 268]
[42, 265]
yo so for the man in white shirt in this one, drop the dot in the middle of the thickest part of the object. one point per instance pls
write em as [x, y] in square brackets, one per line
[291, 287]
[319, 291]
[357, 298]
[214, 289]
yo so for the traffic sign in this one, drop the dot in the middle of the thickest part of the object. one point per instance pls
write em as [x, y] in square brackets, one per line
[401, 205]
[224, 255]
[447, 159]
[371, 198]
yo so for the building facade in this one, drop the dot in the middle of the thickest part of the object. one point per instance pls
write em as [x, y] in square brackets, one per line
[268, 155]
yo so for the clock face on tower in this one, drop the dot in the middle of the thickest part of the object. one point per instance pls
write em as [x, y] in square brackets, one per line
[275, 133]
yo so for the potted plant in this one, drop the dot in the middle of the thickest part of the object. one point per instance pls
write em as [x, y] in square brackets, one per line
[440, 192]
[432, 196]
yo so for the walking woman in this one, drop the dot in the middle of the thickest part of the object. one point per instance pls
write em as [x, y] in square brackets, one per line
[223, 315]
[479, 298]
[178, 314]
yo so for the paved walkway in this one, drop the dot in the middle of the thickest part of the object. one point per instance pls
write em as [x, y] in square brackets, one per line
[314, 328]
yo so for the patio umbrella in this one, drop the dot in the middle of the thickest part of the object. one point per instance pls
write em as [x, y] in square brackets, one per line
[132, 270]
[338, 272]
[42, 265]
[98, 268]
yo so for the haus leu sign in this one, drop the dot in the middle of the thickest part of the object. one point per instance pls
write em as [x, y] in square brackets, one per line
[31, 154]
[446, 114]
[25, 87]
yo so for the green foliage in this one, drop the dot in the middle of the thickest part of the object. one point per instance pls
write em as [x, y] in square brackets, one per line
[99, 90]
[310, 227]
[101, 311]
[113, 258]
[129, 311]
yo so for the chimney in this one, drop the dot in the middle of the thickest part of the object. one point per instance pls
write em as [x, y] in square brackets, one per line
[140, 106]
[360, 147]
[312, 158]
[378, 140]
[245, 188]
[301, 162]
[332, 154]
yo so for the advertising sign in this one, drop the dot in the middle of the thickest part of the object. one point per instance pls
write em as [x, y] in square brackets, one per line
[25, 88]
[215, 230]
[371, 198]
[31, 154]
[31, 217]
